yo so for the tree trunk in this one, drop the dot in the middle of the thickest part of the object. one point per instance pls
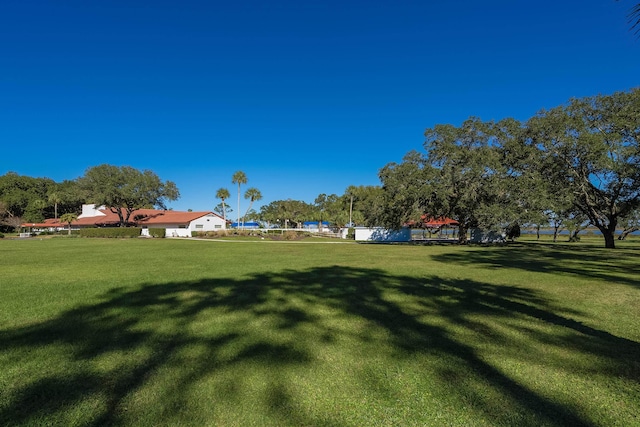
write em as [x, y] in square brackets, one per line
[462, 234]
[538, 232]
[129, 211]
[609, 233]
[626, 232]
[609, 239]
[244, 218]
[238, 224]
[118, 211]
[573, 236]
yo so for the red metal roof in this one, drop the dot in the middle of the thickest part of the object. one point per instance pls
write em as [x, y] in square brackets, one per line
[431, 222]
[48, 223]
[170, 217]
[138, 217]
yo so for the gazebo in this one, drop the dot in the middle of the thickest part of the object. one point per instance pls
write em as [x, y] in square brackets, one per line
[433, 225]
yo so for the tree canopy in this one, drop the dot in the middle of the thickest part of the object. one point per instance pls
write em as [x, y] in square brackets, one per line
[223, 194]
[460, 175]
[590, 149]
[123, 189]
[286, 213]
[23, 198]
[579, 160]
[252, 194]
[68, 218]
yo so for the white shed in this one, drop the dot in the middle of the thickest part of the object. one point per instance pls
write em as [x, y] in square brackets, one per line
[379, 234]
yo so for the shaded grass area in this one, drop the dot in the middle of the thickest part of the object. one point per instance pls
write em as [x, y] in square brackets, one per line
[205, 333]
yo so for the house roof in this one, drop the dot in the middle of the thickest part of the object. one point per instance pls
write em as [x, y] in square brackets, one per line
[51, 222]
[138, 217]
[431, 222]
[169, 217]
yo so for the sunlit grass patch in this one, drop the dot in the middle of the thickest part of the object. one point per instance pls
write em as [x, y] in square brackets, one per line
[179, 332]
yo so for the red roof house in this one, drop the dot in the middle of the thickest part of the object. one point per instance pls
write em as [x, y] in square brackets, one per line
[176, 223]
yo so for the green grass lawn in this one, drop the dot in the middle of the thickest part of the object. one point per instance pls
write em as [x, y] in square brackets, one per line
[183, 332]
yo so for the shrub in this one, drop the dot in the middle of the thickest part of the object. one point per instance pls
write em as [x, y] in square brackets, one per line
[208, 234]
[115, 232]
[1, 236]
[157, 232]
[290, 235]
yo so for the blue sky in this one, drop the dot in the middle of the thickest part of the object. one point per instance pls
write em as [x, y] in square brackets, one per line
[305, 97]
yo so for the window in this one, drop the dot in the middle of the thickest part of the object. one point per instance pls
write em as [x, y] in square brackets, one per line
[217, 226]
[198, 226]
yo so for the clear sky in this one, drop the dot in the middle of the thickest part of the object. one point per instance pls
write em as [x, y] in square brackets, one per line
[304, 96]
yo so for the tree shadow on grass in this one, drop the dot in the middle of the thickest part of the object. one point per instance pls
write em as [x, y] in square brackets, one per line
[615, 266]
[143, 354]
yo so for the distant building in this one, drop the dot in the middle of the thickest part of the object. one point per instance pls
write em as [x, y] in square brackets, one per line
[313, 226]
[251, 225]
[380, 234]
[176, 223]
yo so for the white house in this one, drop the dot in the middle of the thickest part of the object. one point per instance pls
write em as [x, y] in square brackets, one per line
[176, 223]
[181, 224]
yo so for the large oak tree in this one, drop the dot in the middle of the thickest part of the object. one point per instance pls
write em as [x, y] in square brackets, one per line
[590, 149]
[123, 189]
[460, 175]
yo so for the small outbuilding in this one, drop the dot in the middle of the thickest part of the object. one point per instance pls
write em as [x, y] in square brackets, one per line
[380, 234]
[249, 225]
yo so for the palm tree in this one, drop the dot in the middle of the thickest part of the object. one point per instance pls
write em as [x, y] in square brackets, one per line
[252, 194]
[239, 178]
[634, 18]
[55, 198]
[223, 194]
[68, 218]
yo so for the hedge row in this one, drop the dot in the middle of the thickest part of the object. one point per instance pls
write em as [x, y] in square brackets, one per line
[157, 232]
[211, 234]
[272, 235]
[116, 232]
